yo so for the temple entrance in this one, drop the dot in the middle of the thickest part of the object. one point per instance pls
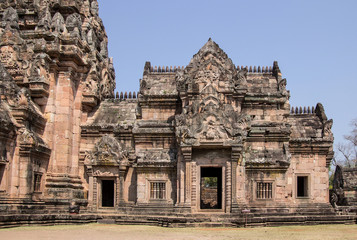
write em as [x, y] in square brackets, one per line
[211, 188]
[107, 193]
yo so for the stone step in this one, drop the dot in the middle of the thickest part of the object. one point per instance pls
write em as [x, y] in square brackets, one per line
[206, 224]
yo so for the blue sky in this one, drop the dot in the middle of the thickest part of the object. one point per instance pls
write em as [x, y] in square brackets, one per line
[315, 43]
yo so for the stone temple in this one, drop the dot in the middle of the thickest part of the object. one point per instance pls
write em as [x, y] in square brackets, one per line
[208, 142]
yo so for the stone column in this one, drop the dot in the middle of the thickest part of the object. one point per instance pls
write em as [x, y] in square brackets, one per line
[235, 154]
[63, 132]
[63, 183]
[122, 170]
[90, 188]
[180, 181]
[25, 175]
[228, 186]
[187, 157]
[95, 193]
[194, 186]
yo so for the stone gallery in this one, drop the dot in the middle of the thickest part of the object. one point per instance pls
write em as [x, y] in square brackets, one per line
[207, 139]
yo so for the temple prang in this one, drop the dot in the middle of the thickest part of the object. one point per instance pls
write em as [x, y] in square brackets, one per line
[208, 142]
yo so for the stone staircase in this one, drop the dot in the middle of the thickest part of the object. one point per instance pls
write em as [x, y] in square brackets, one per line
[39, 213]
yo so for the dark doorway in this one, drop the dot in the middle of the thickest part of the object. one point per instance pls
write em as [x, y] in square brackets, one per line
[107, 193]
[302, 186]
[211, 188]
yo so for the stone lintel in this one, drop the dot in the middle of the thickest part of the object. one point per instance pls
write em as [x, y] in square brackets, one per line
[319, 147]
[24, 113]
[27, 149]
[262, 167]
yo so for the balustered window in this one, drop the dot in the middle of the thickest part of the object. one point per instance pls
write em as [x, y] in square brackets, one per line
[157, 190]
[264, 190]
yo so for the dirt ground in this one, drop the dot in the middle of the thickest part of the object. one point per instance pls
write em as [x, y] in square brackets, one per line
[109, 232]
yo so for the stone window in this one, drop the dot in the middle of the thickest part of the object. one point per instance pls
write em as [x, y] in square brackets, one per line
[37, 182]
[302, 186]
[157, 190]
[264, 190]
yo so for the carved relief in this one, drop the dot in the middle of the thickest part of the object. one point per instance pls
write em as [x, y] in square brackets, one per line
[107, 151]
[57, 24]
[327, 133]
[208, 118]
[74, 25]
[10, 19]
[92, 39]
[39, 69]
[282, 86]
[94, 8]
[8, 57]
[241, 79]
[162, 155]
[45, 22]
[23, 97]
[99, 173]
[91, 86]
[27, 137]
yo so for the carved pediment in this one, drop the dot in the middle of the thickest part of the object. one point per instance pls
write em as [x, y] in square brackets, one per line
[107, 151]
[205, 87]
[207, 69]
[217, 123]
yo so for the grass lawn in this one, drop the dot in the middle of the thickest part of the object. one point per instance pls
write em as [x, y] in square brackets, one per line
[109, 232]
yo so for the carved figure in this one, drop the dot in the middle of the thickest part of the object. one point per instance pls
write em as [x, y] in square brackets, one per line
[10, 19]
[241, 78]
[94, 8]
[57, 24]
[9, 57]
[92, 39]
[45, 22]
[104, 48]
[23, 97]
[27, 136]
[282, 86]
[337, 195]
[107, 150]
[39, 71]
[327, 133]
[74, 25]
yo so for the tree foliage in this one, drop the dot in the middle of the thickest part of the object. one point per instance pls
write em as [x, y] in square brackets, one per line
[346, 153]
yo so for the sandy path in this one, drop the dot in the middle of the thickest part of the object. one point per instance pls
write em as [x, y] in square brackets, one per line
[111, 232]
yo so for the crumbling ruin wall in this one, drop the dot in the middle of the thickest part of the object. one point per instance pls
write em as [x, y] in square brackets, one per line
[344, 191]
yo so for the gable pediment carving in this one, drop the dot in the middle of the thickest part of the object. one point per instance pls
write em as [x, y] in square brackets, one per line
[210, 70]
[205, 87]
[211, 122]
[107, 151]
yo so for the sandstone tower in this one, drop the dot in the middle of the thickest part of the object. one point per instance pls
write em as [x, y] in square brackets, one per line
[54, 70]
